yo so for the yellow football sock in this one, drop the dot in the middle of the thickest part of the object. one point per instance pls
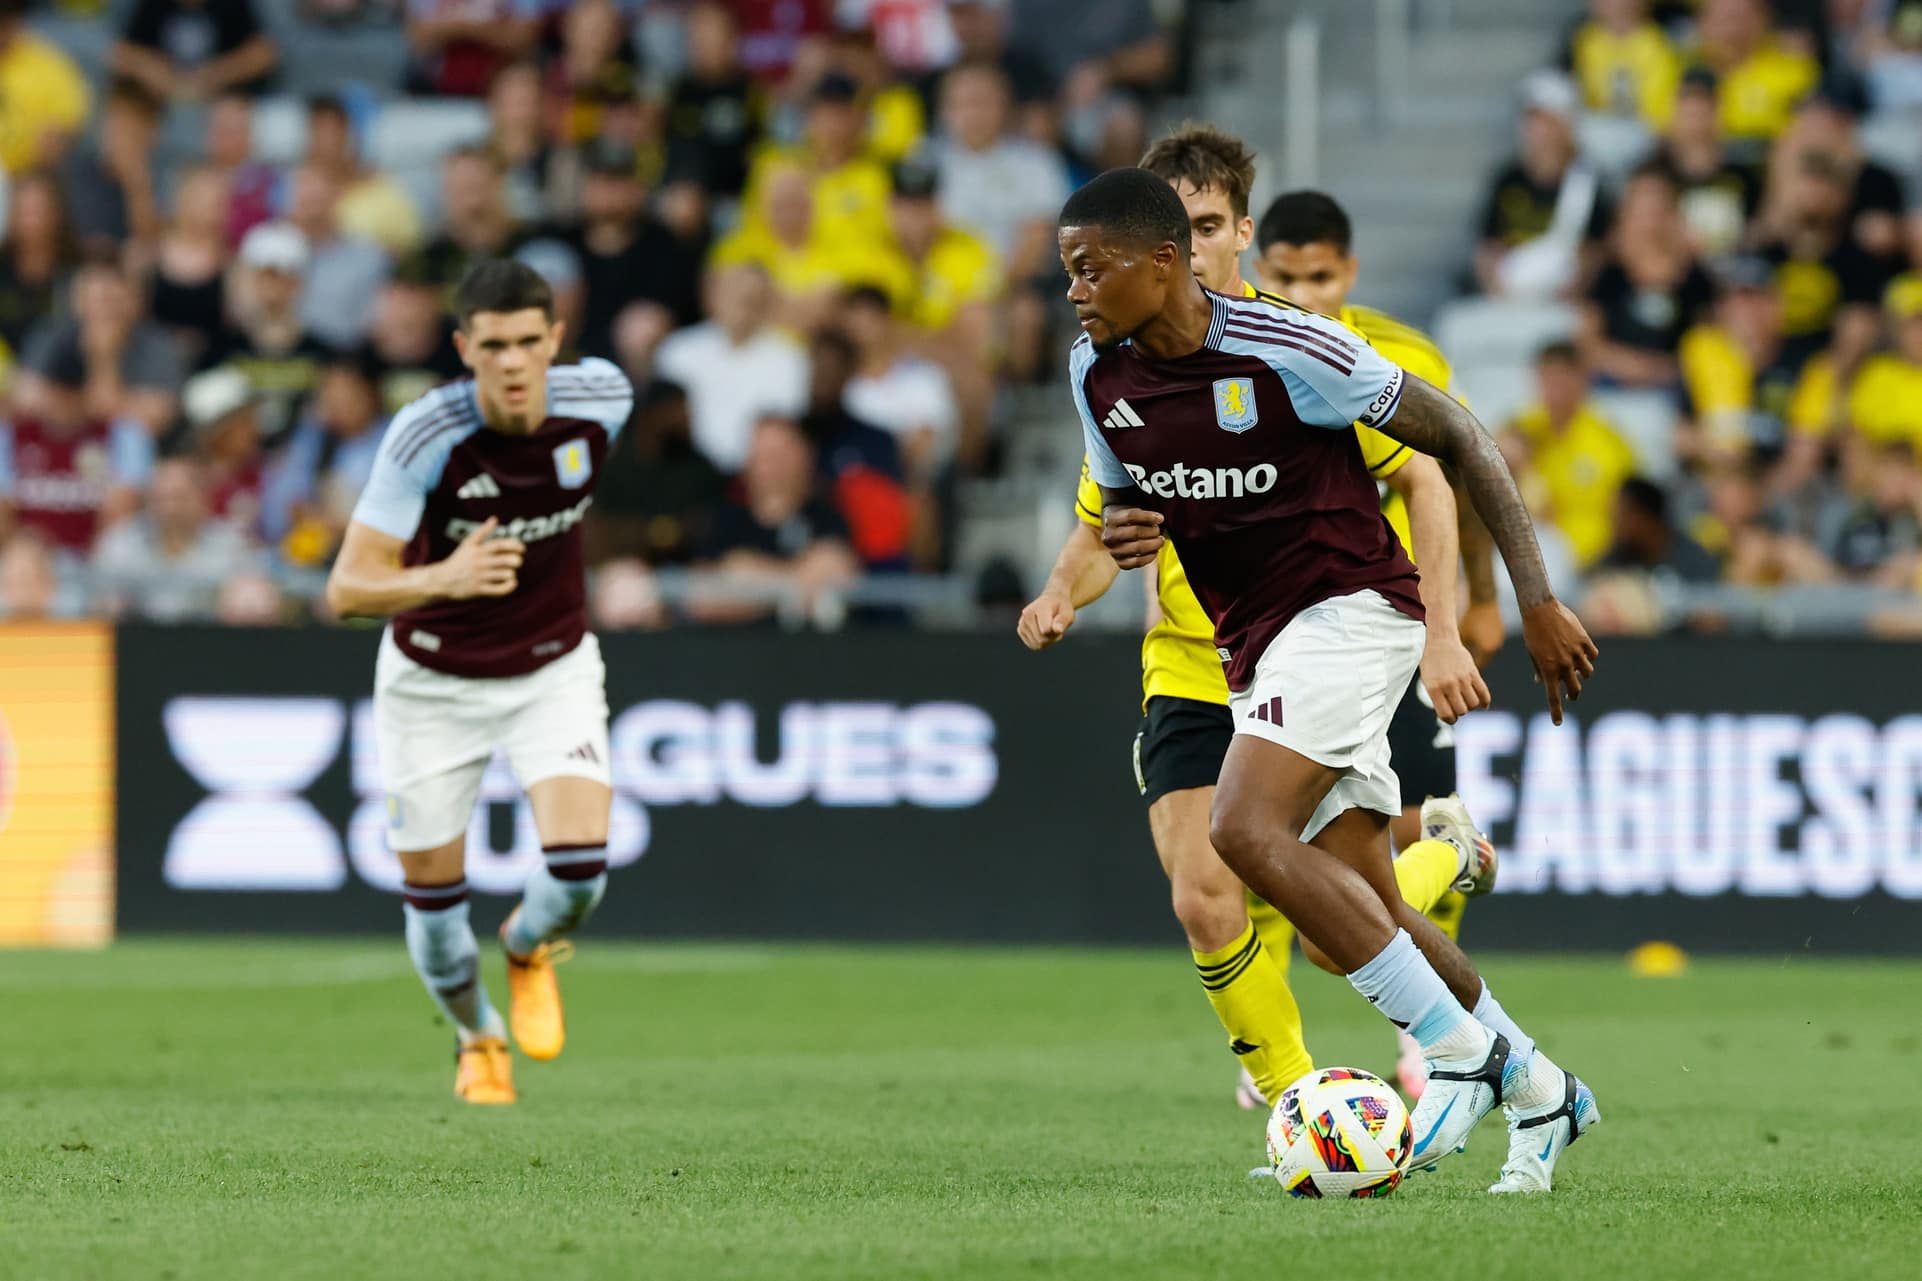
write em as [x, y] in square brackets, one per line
[1252, 1000]
[1424, 871]
[1447, 913]
[1277, 931]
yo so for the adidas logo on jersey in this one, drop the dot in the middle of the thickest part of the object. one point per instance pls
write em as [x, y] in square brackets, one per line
[482, 486]
[1122, 415]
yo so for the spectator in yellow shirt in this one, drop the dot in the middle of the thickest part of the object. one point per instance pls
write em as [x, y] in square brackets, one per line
[43, 95]
[785, 236]
[943, 279]
[1744, 383]
[1761, 80]
[1625, 63]
[1575, 461]
[1885, 403]
[945, 283]
[849, 186]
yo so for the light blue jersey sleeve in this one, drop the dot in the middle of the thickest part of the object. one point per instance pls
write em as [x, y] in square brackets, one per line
[413, 451]
[1334, 378]
[595, 389]
[130, 452]
[1102, 464]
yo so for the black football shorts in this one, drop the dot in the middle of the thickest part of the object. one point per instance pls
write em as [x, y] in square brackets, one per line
[1181, 744]
[1421, 748]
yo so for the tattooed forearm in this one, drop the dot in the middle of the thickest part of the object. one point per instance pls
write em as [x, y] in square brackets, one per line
[1429, 420]
[1478, 549]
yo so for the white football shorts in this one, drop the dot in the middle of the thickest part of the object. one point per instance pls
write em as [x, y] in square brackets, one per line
[1327, 687]
[437, 732]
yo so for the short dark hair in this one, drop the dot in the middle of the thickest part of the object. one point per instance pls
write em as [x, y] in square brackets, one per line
[502, 285]
[1133, 205]
[1305, 218]
[867, 296]
[128, 92]
[327, 104]
[1645, 496]
[1559, 352]
[1205, 157]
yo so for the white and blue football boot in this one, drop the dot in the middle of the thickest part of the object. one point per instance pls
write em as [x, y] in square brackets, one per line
[1537, 1137]
[1455, 1101]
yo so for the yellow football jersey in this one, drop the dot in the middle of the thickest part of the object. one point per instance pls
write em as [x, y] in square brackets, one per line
[1885, 404]
[1178, 655]
[1581, 467]
[1414, 351]
[1759, 95]
[1634, 74]
[960, 270]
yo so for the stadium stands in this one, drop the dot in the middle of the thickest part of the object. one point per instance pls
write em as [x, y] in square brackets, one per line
[1613, 174]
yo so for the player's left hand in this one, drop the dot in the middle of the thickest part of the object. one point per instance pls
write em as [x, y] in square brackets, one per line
[1132, 535]
[1449, 675]
[1560, 648]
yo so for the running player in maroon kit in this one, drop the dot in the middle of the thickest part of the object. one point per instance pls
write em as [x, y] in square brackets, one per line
[468, 538]
[1224, 424]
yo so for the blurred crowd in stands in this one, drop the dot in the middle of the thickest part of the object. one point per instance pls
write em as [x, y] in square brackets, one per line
[1712, 215]
[818, 234]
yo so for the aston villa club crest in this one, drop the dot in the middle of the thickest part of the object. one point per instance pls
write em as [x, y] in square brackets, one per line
[571, 464]
[1235, 404]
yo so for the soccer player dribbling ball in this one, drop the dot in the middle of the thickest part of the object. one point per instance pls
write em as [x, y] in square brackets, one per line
[1225, 424]
[1240, 945]
[468, 539]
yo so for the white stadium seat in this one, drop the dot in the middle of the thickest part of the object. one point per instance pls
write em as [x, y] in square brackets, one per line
[1500, 331]
[1646, 420]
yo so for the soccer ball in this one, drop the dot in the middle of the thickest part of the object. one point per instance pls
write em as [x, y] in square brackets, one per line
[1340, 1132]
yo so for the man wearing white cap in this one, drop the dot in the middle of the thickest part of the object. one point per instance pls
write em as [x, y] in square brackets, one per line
[268, 342]
[1545, 210]
[222, 413]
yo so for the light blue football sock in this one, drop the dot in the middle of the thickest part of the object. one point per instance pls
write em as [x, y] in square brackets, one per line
[440, 939]
[560, 894]
[1401, 983]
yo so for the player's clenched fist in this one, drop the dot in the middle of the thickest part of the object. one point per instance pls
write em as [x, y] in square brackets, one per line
[1559, 647]
[1449, 675]
[1132, 535]
[1045, 621]
[483, 565]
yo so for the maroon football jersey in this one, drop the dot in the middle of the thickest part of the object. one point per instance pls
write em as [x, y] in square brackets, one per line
[442, 471]
[58, 481]
[1245, 446]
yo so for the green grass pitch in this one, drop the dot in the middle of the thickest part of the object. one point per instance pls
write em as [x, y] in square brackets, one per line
[282, 1110]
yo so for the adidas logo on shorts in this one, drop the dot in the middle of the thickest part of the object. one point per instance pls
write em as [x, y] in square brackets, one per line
[482, 486]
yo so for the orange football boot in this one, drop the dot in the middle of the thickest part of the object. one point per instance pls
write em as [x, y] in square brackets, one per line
[484, 1071]
[534, 997]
